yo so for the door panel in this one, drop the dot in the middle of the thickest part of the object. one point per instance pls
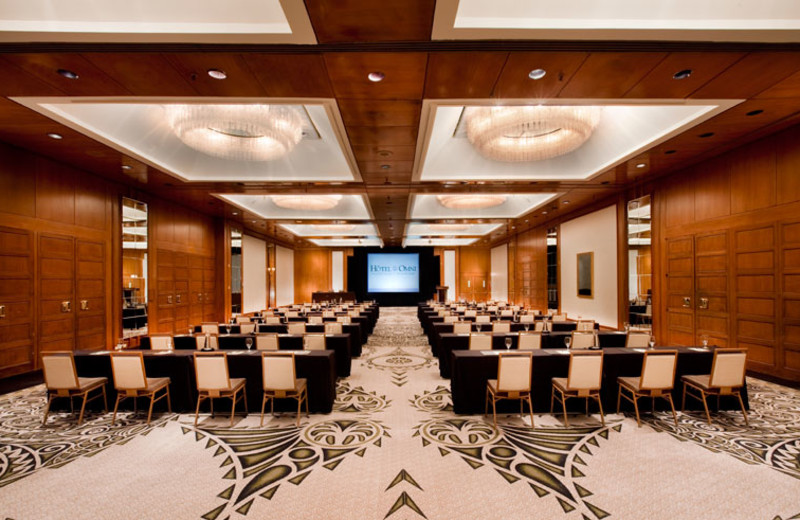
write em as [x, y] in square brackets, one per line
[680, 291]
[56, 292]
[17, 352]
[91, 294]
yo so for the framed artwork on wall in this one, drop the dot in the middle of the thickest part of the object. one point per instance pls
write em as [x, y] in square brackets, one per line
[585, 275]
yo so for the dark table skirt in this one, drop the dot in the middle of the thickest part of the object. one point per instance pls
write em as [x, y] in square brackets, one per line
[472, 369]
[318, 367]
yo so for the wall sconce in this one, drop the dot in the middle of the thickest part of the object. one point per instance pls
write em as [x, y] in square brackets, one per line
[469, 283]
[484, 284]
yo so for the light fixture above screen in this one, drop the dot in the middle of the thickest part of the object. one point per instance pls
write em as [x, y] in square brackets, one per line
[529, 133]
[307, 202]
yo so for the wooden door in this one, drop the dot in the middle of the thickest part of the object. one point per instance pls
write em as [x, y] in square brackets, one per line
[181, 277]
[90, 284]
[788, 356]
[165, 292]
[196, 290]
[679, 288]
[711, 288]
[56, 261]
[209, 290]
[17, 352]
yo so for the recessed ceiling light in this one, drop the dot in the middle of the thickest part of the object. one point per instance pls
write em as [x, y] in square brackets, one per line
[641, 165]
[67, 74]
[376, 76]
[682, 74]
[217, 74]
[235, 213]
[565, 202]
[707, 134]
[384, 153]
[126, 166]
[53, 135]
[544, 213]
[755, 112]
[670, 152]
[537, 74]
[385, 166]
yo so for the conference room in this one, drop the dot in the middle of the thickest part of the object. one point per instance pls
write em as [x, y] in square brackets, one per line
[400, 259]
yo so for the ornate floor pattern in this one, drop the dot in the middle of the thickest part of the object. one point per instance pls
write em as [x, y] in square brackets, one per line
[392, 449]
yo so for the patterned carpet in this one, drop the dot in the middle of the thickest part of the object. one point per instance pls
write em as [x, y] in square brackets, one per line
[393, 449]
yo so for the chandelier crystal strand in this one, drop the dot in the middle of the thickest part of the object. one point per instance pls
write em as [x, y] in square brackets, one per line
[529, 133]
[238, 132]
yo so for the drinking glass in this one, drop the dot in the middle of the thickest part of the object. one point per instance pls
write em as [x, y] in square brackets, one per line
[248, 343]
[479, 326]
[704, 339]
[508, 343]
[627, 326]
[652, 341]
[120, 344]
[527, 326]
[227, 328]
[191, 330]
[568, 340]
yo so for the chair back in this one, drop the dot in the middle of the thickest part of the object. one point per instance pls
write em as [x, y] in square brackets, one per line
[354, 314]
[315, 320]
[526, 318]
[273, 320]
[441, 313]
[492, 308]
[243, 319]
[128, 370]
[450, 319]
[247, 328]
[585, 326]
[343, 319]
[210, 328]
[585, 370]
[529, 341]
[536, 312]
[333, 328]
[582, 340]
[292, 314]
[539, 326]
[658, 370]
[211, 370]
[480, 342]
[728, 367]
[296, 328]
[637, 340]
[266, 342]
[501, 326]
[483, 319]
[314, 342]
[278, 370]
[514, 372]
[59, 370]
[471, 312]
[461, 308]
[507, 313]
[161, 342]
[200, 341]
[559, 317]
[328, 314]
[462, 328]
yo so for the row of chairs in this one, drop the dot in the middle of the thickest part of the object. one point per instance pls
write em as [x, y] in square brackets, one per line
[533, 340]
[264, 341]
[131, 381]
[295, 327]
[584, 378]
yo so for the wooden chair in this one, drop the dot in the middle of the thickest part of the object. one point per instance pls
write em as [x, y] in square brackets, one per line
[161, 342]
[480, 342]
[529, 341]
[582, 340]
[451, 319]
[247, 328]
[657, 380]
[333, 328]
[315, 320]
[560, 317]
[539, 326]
[526, 318]
[462, 328]
[61, 379]
[483, 319]
[584, 381]
[266, 341]
[727, 378]
[314, 342]
[243, 319]
[213, 381]
[343, 319]
[273, 320]
[298, 328]
[585, 326]
[501, 326]
[210, 328]
[470, 313]
[637, 340]
[213, 341]
[513, 382]
[280, 382]
[130, 380]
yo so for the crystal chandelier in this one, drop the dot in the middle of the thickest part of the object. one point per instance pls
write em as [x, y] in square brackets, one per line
[238, 132]
[529, 133]
[470, 201]
[307, 202]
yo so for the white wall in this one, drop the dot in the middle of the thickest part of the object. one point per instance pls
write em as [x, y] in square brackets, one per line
[597, 233]
[284, 276]
[450, 273]
[500, 273]
[337, 270]
[254, 274]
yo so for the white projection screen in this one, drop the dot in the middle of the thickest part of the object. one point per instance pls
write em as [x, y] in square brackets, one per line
[393, 272]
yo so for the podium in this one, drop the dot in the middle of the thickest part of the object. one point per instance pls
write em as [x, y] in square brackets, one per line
[441, 293]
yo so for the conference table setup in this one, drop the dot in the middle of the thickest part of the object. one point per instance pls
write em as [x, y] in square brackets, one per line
[353, 330]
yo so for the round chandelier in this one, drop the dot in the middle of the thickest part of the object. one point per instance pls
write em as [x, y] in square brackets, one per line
[238, 132]
[334, 228]
[306, 202]
[529, 133]
[470, 201]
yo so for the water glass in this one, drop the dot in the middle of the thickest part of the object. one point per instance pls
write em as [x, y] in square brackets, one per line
[508, 343]
[652, 342]
[568, 341]
[248, 343]
[527, 326]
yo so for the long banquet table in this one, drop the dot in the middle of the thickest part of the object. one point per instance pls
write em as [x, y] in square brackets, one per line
[318, 367]
[471, 370]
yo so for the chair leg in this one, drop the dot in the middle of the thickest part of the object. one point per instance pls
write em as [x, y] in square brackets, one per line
[105, 399]
[705, 406]
[683, 399]
[150, 411]
[211, 400]
[83, 408]
[306, 398]
[619, 396]
[486, 402]
[233, 407]
[263, 405]
[552, 396]
[169, 403]
[563, 399]
[244, 395]
[530, 408]
[668, 397]
[299, 404]
[744, 412]
[602, 415]
[636, 409]
[494, 410]
[197, 411]
[116, 407]
[47, 408]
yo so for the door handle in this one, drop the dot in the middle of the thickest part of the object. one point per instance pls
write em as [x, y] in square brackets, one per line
[687, 302]
[703, 303]
[84, 305]
[178, 298]
[169, 298]
[2, 311]
[66, 306]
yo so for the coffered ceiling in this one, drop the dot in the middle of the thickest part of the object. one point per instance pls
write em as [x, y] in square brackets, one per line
[389, 147]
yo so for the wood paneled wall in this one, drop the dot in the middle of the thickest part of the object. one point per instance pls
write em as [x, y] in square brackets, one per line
[527, 268]
[473, 265]
[727, 260]
[60, 258]
[312, 272]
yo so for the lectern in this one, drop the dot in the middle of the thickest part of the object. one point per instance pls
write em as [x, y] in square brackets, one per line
[441, 293]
